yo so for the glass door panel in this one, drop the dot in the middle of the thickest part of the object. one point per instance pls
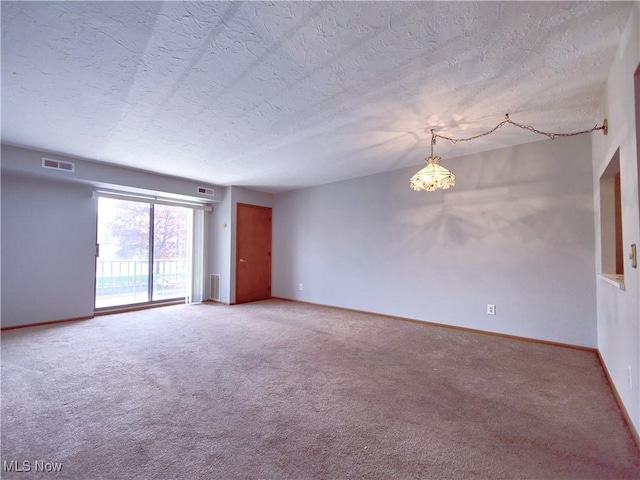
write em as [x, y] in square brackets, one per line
[122, 267]
[171, 260]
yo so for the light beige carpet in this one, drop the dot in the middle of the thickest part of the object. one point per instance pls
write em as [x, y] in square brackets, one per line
[279, 390]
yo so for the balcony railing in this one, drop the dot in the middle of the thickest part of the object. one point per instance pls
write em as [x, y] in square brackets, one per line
[122, 282]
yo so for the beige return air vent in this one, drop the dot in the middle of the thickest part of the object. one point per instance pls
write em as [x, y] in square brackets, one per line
[205, 191]
[58, 165]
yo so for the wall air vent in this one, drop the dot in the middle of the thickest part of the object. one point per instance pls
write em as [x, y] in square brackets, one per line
[58, 165]
[205, 191]
[215, 287]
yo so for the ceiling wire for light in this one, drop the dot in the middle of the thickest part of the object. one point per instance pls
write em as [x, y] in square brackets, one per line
[434, 176]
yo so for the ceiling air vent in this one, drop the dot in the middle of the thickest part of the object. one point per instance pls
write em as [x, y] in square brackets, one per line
[205, 191]
[58, 165]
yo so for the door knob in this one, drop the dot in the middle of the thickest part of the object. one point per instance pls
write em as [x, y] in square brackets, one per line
[242, 260]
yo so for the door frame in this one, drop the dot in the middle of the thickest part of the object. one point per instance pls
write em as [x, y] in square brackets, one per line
[151, 256]
[237, 244]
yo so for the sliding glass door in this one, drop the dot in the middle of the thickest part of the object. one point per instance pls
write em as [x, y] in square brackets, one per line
[143, 252]
[171, 259]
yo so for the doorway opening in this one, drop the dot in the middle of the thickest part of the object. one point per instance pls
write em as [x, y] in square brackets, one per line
[611, 244]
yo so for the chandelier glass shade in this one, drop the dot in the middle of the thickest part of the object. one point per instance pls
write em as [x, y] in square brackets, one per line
[433, 177]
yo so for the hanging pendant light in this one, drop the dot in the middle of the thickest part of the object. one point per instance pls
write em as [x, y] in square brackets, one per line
[434, 176]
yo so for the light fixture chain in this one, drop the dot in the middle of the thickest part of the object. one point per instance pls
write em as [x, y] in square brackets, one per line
[456, 140]
[434, 176]
[519, 125]
[433, 141]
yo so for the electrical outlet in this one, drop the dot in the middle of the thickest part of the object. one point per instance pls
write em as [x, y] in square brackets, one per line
[630, 377]
[300, 286]
[491, 309]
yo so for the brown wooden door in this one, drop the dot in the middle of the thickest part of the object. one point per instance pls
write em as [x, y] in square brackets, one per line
[253, 253]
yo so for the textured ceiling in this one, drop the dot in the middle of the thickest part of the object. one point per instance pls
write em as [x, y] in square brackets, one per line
[281, 95]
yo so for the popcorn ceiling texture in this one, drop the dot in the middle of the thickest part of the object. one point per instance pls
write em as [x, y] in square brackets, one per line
[290, 94]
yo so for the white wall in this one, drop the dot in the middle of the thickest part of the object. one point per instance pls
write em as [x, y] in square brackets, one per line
[29, 162]
[49, 231]
[220, 234]
[618, 311]
[48, 238]
[517, 231]
[62, 232]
